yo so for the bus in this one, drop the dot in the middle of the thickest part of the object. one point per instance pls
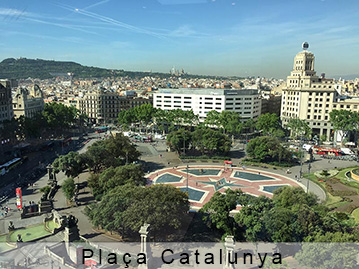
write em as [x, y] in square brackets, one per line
[101, 129]
[6, 167]
[327, 151]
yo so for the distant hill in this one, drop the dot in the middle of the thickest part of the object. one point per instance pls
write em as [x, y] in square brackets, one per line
[23, 68]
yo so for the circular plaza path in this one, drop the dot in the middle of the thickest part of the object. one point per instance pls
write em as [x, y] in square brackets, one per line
[205, 180]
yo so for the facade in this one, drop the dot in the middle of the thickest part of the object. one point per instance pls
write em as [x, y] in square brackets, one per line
[311, 98]
[28, 102]
[245, 102]
[6, 112]
[102, 106]
[271, 104]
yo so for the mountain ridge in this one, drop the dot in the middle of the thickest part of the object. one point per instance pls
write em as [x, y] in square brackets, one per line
[23, 68]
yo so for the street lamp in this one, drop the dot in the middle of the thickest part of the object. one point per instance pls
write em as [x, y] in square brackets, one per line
[309, 166]
[301, 155]
[187, 181]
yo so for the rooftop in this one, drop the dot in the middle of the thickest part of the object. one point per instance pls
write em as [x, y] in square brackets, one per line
[209, 91]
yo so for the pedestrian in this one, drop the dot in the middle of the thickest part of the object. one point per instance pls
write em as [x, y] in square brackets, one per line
[296, 177]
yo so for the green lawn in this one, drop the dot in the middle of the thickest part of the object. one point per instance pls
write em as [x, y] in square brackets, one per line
[29, 233]
[51, 225]
[332, 201]
[342, 172]
[3, 245]
[355, 214]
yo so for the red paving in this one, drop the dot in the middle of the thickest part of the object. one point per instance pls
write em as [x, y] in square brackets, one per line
[254, 188]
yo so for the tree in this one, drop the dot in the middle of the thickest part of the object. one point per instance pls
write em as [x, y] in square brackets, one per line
[251, 218]
[59, 116]
[213, 119]
[268, 149]
[125, 208]
[113, 177]
[344, 120]
[126, 117]
[179, 140]
[68, 187]
[228, 121]
[332, 255]
[144, 113]
[268, 123]
[217, 210]
[299, 128]
[72, 164]
[108, 213]
[164, 207]
[114, 151]
[32, 127]
[209, 141]
[9, 129]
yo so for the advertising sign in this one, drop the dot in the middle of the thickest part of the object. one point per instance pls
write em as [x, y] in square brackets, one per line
[18, 198]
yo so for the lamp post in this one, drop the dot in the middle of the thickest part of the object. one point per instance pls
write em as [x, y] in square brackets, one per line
[309, 166]
[187, 182]
[301, 155]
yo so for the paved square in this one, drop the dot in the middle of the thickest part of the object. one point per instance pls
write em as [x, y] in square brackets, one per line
[205, 180]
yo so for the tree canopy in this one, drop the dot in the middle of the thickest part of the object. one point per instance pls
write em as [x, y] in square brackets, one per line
[68, 187]
[72, 164]
[269, 124]
[126, 208]
[114, 151]
[268, 149]
[344, 120]
[113, 177]
[299, 128]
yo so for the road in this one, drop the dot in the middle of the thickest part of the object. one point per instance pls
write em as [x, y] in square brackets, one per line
[32, 193]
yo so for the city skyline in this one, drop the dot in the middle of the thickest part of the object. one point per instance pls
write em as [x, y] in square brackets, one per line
[202, 37]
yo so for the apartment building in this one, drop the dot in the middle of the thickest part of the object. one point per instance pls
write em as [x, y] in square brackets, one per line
[28, 102]
[102, 105]
[6, 112]
[310, 97]
[245, 102]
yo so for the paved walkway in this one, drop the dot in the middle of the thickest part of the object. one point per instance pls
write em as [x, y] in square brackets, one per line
[204, 180]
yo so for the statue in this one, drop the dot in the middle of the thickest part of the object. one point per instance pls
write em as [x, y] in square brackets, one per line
[11, 226]
[19, 239]
[71, 230]
[71, 221]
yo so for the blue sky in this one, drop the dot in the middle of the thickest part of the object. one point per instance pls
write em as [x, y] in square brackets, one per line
[216, 37]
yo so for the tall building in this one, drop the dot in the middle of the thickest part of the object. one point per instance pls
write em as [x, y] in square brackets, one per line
[28, 102]
[310, 97]
[245, 102]
[102, 106]
[6, 112]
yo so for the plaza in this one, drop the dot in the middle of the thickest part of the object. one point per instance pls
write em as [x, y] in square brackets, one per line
[202, 181]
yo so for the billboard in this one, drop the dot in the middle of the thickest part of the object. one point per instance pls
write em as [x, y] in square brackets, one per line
[18, 198]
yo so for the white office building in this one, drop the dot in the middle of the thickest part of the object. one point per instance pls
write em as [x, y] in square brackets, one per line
[245, 102]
